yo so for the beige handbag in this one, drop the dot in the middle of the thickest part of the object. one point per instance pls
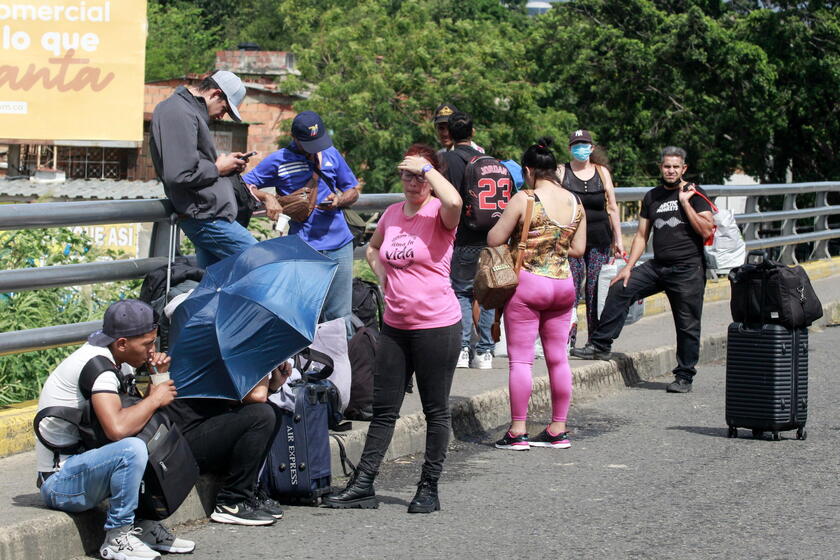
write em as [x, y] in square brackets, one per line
[497, 275]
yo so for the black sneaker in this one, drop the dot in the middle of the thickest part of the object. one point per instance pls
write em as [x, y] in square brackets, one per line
[545, 439]
[679, 385]
[265, 503]
[242, 513]
[514, 443]
[589, 352]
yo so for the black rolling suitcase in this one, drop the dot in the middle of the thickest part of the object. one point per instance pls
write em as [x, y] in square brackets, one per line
[766, 379]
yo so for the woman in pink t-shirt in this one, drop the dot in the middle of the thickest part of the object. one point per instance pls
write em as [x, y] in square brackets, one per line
[410, 253]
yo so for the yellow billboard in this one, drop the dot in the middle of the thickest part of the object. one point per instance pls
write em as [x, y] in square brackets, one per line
[72, 70]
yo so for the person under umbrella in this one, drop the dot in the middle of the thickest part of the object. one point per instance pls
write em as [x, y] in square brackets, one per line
[249, 314]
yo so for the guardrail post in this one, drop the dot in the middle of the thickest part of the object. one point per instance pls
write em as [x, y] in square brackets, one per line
[750, 230]
[159, 245]
[787, 254]
[820, 224]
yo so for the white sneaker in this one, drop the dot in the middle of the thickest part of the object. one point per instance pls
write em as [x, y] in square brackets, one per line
[483, 360]
[158, 537]
[463, 358]
[122, 544]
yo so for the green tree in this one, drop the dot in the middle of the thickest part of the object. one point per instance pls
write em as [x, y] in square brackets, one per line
[382, 68]
[21, 375]
[181, 40]
[802, 42]
[642, 78]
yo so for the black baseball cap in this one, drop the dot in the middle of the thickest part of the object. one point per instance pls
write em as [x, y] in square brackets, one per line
[309, 132]
[579, 136]
[124, 319]
[443, 112]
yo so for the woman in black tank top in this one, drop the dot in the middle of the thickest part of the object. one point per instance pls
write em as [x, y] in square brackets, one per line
[592, 183]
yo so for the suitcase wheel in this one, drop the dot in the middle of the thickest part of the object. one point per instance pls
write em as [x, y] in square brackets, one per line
[732, 433]
[802, 434]
[776, 436]
[758, 434]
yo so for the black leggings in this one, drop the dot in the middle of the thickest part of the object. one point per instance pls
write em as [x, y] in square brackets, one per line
[431, 354]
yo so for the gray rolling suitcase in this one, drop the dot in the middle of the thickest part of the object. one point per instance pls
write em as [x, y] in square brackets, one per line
[766, 379]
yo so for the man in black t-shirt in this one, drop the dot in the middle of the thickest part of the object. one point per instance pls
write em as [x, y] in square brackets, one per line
[681, 220]
[468, 245]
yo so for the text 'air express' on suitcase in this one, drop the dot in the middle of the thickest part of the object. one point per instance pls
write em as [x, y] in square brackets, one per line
[766, 379]
[297, 469]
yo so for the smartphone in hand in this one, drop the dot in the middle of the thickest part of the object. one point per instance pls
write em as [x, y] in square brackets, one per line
[248, 156]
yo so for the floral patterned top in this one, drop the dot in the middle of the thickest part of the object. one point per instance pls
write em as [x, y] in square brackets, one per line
[547, 251]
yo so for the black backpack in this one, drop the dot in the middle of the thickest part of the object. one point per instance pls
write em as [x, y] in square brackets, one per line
[768, 292]
[368, 303]
[361, 349]
[486, 189]
[171, 471]
[184, 276]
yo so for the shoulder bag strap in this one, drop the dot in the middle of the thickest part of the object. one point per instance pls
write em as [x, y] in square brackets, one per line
[526, 227]
[706, 198]
[73, 416]
[600, 170]
[93, 369]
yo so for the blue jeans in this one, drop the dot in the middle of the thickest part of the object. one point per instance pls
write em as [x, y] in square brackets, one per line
[462, 275]
[339, 301]
[216, 239]
[113, 471]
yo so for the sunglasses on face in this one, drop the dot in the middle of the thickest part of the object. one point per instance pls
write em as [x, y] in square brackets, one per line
[408, 176]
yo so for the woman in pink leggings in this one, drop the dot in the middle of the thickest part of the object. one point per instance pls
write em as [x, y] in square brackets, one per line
[545, 296]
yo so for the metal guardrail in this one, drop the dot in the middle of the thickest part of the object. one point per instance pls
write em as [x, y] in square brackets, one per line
[65, 214]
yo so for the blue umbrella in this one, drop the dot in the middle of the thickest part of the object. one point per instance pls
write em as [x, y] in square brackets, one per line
[250, 312]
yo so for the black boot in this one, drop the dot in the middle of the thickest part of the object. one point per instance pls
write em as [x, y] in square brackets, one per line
[426, 499]
[358, 493]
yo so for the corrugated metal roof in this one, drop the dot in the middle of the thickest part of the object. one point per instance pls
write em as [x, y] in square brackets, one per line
[105, 189]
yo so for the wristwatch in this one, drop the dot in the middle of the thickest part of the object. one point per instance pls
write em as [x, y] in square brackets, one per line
[426, 168]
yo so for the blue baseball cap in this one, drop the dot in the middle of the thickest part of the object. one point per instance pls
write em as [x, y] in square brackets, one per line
[124, 319]
[309, 132]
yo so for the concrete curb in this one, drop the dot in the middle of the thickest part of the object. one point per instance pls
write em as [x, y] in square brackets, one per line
[16, 420]
[58, 535]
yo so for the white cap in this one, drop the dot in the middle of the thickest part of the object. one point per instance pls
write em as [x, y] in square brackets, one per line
[233, 89]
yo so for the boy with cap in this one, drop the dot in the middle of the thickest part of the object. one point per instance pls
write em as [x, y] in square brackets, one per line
[311, 156]
[199, 182]
[75, 482]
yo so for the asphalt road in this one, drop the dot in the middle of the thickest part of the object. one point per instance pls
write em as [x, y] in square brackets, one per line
[649, 475]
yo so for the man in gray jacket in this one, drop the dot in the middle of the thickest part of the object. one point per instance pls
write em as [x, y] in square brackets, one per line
[198, 181]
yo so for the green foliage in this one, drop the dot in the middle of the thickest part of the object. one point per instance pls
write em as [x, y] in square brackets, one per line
[382, 68]
[362, 270]
[802, 41]
[21, 375]
[742, 84]
[181, 40]
[641, 78]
